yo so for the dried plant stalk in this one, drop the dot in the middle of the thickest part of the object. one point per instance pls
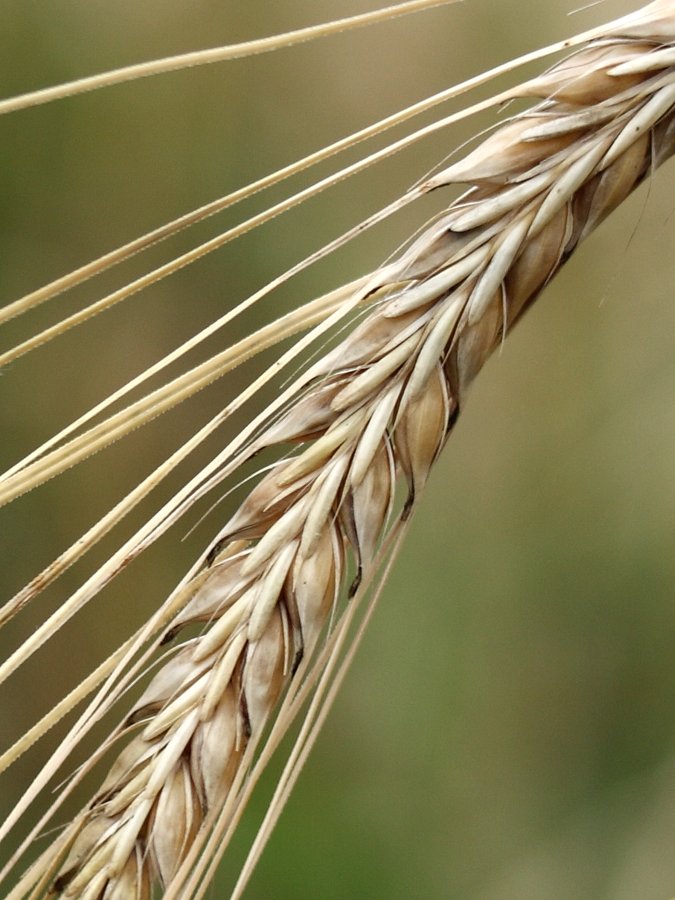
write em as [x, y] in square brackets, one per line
[369, 417]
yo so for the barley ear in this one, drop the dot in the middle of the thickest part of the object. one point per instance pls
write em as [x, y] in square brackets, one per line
[366, 422]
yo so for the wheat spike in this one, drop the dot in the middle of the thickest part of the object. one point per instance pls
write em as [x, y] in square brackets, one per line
[367, 422]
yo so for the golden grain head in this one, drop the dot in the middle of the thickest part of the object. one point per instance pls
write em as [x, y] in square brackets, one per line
[366, 423]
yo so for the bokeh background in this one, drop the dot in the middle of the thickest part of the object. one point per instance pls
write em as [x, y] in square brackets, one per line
[508, 728]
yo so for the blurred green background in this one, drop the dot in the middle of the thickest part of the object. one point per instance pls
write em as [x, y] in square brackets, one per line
[508, 727]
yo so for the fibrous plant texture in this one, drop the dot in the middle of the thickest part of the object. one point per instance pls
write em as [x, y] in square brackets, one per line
[352, 441]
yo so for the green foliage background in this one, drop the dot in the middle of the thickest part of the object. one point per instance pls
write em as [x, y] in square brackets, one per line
[508, 728]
